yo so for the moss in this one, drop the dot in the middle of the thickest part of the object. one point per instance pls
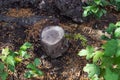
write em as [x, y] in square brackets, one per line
[77, 36]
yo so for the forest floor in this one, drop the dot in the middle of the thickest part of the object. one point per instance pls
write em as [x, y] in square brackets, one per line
[67, 67]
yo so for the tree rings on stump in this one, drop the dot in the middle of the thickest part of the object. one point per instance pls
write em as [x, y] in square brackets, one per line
[53, 41]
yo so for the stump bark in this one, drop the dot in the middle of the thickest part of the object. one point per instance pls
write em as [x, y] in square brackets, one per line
[53, 41]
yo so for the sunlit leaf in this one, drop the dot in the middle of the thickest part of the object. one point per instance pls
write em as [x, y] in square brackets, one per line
[83, 52]
[92, 70]
[118, 23]
[88, 52]
[97, 1]
[25, 46]
[97, 56]
[95, 10]
[17, 59]
[10, 60]
[85, 13]
[117, 33]
[95, 77]
[24, 54]
[5, 53]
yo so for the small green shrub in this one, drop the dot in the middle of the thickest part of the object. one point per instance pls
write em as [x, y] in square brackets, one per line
[10, 59]
[77, 36]
[105, 63]
[95, 8]
[115, 4]
[33, 70]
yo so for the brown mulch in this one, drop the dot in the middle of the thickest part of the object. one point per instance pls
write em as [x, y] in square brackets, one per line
[67, 67]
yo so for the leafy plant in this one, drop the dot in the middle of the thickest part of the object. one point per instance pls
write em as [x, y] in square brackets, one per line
[95, 7]
[3, 73]
[115, 3]
[9, 59]
[106, 60]
[77, 36]
[80, 37]
[33, 70]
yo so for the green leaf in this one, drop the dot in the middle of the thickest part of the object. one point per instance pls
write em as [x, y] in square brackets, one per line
[97, 56]
[104, 11]
[107, 62]
[80, 37]
[25, 46]
[24, 54]
[95, 10]
[117, 1]
[95, 77]
[27, 56]
[85, 13]
[110, 47]
[118, 52]
[5, 53]
[37, 61]
[97, 1]
[100, 13]
[118, 23]
[28, 74]
[32, 73]
[1, 66]
[4, 75]
[117, 62]
[40, 73]
[111, 28]
[31, 66]
[17, 59]
[104, 3]
[110, 75]
[92, 70]
[87, 10]
[88, 52]
[118, 49]
[118, 6]
[117, 33]
[83, 52]
[11, 68]
[12, 53]
[10, 60]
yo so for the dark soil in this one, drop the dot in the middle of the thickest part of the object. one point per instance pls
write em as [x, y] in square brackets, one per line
[14, 33]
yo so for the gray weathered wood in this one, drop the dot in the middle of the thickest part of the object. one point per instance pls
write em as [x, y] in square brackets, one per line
[53, 41]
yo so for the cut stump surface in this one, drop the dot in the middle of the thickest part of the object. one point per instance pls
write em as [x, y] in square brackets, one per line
[53, 41]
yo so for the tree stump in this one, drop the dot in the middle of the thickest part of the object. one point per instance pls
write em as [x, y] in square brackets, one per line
[53, 41]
